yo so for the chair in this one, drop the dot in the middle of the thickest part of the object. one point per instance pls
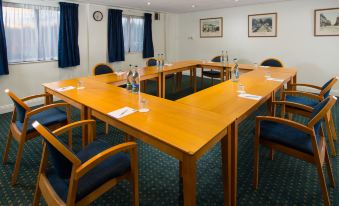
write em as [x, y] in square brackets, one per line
[80, 178]
[102, 68]
[312, 99]
[305, 142]
[210, 73]
[153, 62]
[99, 69]
[20, 127]
[272, 62]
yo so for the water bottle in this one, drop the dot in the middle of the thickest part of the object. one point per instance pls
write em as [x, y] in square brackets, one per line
[226, 57]
[135, 81]
[158, 61]
[162, 61]
[235, 72]
[129, 79]
[222, 60]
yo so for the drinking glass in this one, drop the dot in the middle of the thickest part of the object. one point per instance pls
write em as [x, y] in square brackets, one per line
[241, 88]
[143, 105]
[80, 84]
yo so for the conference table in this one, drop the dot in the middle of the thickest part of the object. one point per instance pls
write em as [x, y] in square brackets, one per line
[224, 99]
[184, 129]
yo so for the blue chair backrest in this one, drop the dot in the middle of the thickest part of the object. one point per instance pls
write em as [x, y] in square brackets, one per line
[20, 111]
[216, 59]
[102, 69]
[316, 110]
[152, 62]
[324, 87]
[62, 165]
[271, 63]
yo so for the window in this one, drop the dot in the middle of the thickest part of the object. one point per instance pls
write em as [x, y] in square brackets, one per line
[133, 27]
[31, 32]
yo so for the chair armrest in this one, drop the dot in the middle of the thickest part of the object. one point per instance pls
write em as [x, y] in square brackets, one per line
[292, 104]
[70, 126]
[46, 107]
[34, 97]
[287, 122]
[97, 159]
[307, 85]
[306, 94]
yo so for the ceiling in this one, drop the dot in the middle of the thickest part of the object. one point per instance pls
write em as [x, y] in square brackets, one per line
[179, 6]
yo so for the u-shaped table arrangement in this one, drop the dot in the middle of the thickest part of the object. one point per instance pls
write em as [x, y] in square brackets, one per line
[184, 129]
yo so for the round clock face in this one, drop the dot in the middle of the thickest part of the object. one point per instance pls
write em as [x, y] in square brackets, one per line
[97, 15]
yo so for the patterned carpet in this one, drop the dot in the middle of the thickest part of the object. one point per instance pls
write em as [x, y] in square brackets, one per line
[283, 181]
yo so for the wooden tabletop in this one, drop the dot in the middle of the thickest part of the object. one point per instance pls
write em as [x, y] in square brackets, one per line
[183, 127]
[223, 98]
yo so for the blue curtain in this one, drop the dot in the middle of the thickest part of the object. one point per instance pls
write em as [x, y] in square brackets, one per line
[116, 50]
[68, 50]
[3, 48]
[148, 50]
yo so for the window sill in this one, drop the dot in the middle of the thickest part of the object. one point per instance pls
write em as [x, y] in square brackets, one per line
[32, 62]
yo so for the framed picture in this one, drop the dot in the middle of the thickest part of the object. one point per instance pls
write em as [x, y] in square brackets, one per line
[211, 27]
[326, 22]
[262, 25]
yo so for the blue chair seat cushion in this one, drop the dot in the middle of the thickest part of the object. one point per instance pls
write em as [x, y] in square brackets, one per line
[287, 136]
[110, 168]
[302, 100]
[46, 118]
[213, 73]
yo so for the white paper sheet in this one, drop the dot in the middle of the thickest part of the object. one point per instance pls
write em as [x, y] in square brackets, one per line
[168, 65]
[250, 96]
[62, 89]
[119, 73]
[275, 79]
[122, 112]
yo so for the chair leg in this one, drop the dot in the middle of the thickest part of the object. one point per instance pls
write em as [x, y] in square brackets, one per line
[271, 154]
[290, 116]
[202, 79]
[18, 161]
[37, 195]
[106, 128]
[322, 182]
[329, 169]
[212, 81]
[173, 85]
[70, 139]
[256, 163]
[334, 132]
[329, 134]
[8, 146]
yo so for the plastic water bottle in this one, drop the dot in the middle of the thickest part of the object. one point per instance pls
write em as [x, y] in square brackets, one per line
[222, 57]
[129, 79]
[226, 57]
[135, 81]
[235, 72]
[162, 61]
[158, 61]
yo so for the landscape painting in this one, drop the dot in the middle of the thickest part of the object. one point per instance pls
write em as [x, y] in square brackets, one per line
[262, 25]
[326, 22]
[211, 27]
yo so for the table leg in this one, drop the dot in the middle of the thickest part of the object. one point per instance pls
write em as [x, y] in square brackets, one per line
[163, 85]
[194, 70]
[48, 98]
[233, 134]
[84, 114]
[159, 86]
[226, 168]
[189, 180]
[222, 74]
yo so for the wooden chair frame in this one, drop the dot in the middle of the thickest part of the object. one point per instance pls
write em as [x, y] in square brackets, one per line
[329, 123]
[320, 154]
[43, 186]
[93, 72]
[275, 59]
[22, 136]
[212, 77]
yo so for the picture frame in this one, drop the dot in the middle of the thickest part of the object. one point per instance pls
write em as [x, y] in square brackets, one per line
[211, 27]
[263, 25]
[326, 22]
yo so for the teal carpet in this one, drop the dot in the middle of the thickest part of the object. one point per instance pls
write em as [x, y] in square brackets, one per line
[283, 181]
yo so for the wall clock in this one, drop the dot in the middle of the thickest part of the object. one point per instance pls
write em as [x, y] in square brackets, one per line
[97, 16]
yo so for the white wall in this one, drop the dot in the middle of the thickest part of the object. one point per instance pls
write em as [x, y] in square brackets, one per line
[26, 79]
[316, 58]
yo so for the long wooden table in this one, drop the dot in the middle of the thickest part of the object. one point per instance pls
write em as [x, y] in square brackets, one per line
[177, 129]
[223, 99]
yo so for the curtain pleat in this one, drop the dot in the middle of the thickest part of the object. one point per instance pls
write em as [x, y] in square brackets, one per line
[68, 50]
[3, 48]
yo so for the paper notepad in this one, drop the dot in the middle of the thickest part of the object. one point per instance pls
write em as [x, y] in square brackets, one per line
[62, 89]
[122, 112]
[275, 79]
[250, 96]
[168, 65]
[119, 73]
[265, 67]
